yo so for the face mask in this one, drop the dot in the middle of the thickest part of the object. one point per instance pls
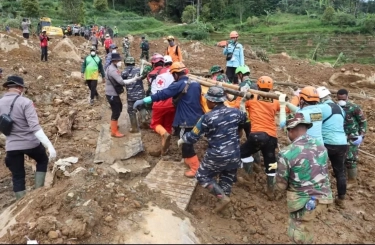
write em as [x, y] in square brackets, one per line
[114, 51]
[342, 103]
[119, 64]
[171, 43]
[93, 53]
[296, 93]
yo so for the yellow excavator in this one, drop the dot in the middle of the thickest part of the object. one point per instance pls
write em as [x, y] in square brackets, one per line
[45, 25]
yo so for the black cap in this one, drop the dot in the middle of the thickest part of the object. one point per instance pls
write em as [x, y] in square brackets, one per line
[13, 81]
[143, 37]
[115, 56]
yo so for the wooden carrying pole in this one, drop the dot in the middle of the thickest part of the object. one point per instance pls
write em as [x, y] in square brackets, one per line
[232, 86]
[248, 95]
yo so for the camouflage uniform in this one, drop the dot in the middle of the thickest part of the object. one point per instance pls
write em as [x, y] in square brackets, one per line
[126, 47]
[246, 82]
[302, 170]
[222, 78]
[144, 52]
[355, 124]
[222, 157]
[134, 91]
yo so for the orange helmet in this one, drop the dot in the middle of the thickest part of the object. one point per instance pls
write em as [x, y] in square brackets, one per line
[265, 82]
[233, 34]
[309, 93]
[177, 67]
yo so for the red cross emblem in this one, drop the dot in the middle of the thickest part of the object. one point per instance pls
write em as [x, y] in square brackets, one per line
[160, 83]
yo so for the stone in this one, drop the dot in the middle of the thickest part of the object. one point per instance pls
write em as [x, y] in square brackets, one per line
[252, 231]
[343, 69]
[53, 235]
[137, 204]
[245, 239]
[39, 77]
[356, 69]
[76, 75]
[109, 218]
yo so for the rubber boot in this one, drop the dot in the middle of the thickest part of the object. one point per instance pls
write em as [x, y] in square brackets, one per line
[352, 178]
[224, 200]
[39, 179]
[20, 194]
[270, 188]
[165, 138]
[340, 202]
[114, 130]
[248, 167]
[133, 123]
[144, 117]
[193, 163]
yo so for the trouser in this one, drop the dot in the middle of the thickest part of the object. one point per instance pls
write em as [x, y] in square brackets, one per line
[337, 155]
[163, 116]
[107, 50]
[132, 111]
[231, 74]
[144, 54]
[301, 224]
[76, 34]
[351, 157]
[92, 84]
[187, 150]
[116, 106]
[95, 45]
[206, 174]
[260, 141]
[26, 35]
[44, 53]
[102, 40]
[246, 128]
[15, 161]
[126, 53]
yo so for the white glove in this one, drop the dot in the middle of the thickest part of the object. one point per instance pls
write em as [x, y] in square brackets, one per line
[180, 142]
[291, 107]
[242, 105]
[244, 88]
[282, 98]
[42, 137]
[131, 80]
[230, 97]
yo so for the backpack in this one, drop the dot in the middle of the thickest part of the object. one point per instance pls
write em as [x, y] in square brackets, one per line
[145, 45]
[175, 51]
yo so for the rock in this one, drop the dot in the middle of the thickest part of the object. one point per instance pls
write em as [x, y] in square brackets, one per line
[109, 218]
[252, 231]
[39, 77]
[137, 204]
[53, 234]
[368, 217]
[343, 69]
[324, 84]
[76, 75]
[91, 141]
[46, 223]
[245, 239]
[370, 128]
[356, 69]
[110, 185]
[71, 195]
[146, 232]
[2, 140]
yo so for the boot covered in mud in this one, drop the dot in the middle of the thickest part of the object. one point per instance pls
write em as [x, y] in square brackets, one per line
[340, 201]
[144, 118]
[133, 123]
[165, 139]
[270, 188]
[224, 200]
[193, 163]
[20, 194]
[39, 179]
[352, 178]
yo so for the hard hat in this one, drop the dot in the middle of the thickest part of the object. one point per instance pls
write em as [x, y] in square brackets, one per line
[215, 68]
[157, 58]
[129, 60]
[265, 82]
[323, 92]
[177, 67]
[233, 34]
[309, 93]
[170, 38]
[167, 59]
[107, 35]
[243, 69]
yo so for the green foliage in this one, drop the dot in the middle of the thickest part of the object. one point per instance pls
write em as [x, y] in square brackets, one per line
[344, 19]
[252, 21]
[328, 15]
[13, 23]
[101, 5]
[368, 25]
[189, 14]
[30, 7]
[73, 10]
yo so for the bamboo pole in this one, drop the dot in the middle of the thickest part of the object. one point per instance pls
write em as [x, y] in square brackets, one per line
[233, 87]
[248, 95]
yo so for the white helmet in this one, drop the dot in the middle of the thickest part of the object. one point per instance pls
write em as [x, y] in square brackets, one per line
[323, 92]
[167, 59]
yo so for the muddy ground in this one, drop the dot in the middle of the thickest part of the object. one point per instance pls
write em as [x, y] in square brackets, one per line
[88, 207]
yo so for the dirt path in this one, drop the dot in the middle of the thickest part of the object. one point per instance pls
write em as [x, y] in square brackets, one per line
[89, 207]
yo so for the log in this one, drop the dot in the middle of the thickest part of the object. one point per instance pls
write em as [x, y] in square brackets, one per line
[233, 87]
[366, 153]
[64, 124]
[248, 95]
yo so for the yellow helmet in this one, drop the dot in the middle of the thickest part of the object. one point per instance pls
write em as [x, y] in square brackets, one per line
[170, 38]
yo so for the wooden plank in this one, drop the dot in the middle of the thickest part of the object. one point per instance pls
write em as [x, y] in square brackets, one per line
[168, 177]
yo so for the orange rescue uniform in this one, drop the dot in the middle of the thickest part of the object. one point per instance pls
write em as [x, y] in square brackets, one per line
[171, 51]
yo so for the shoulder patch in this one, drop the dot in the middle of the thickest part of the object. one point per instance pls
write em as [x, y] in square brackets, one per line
[316, 117]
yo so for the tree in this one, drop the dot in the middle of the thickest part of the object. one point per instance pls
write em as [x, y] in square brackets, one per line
[188, 15]
[101, 5]
[31, 8]
[73, 10]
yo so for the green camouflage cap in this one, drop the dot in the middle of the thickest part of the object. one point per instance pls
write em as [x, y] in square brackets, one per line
[146, 70]
[129, 60]
[296, 120]
[215, 68]
[215, 94]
